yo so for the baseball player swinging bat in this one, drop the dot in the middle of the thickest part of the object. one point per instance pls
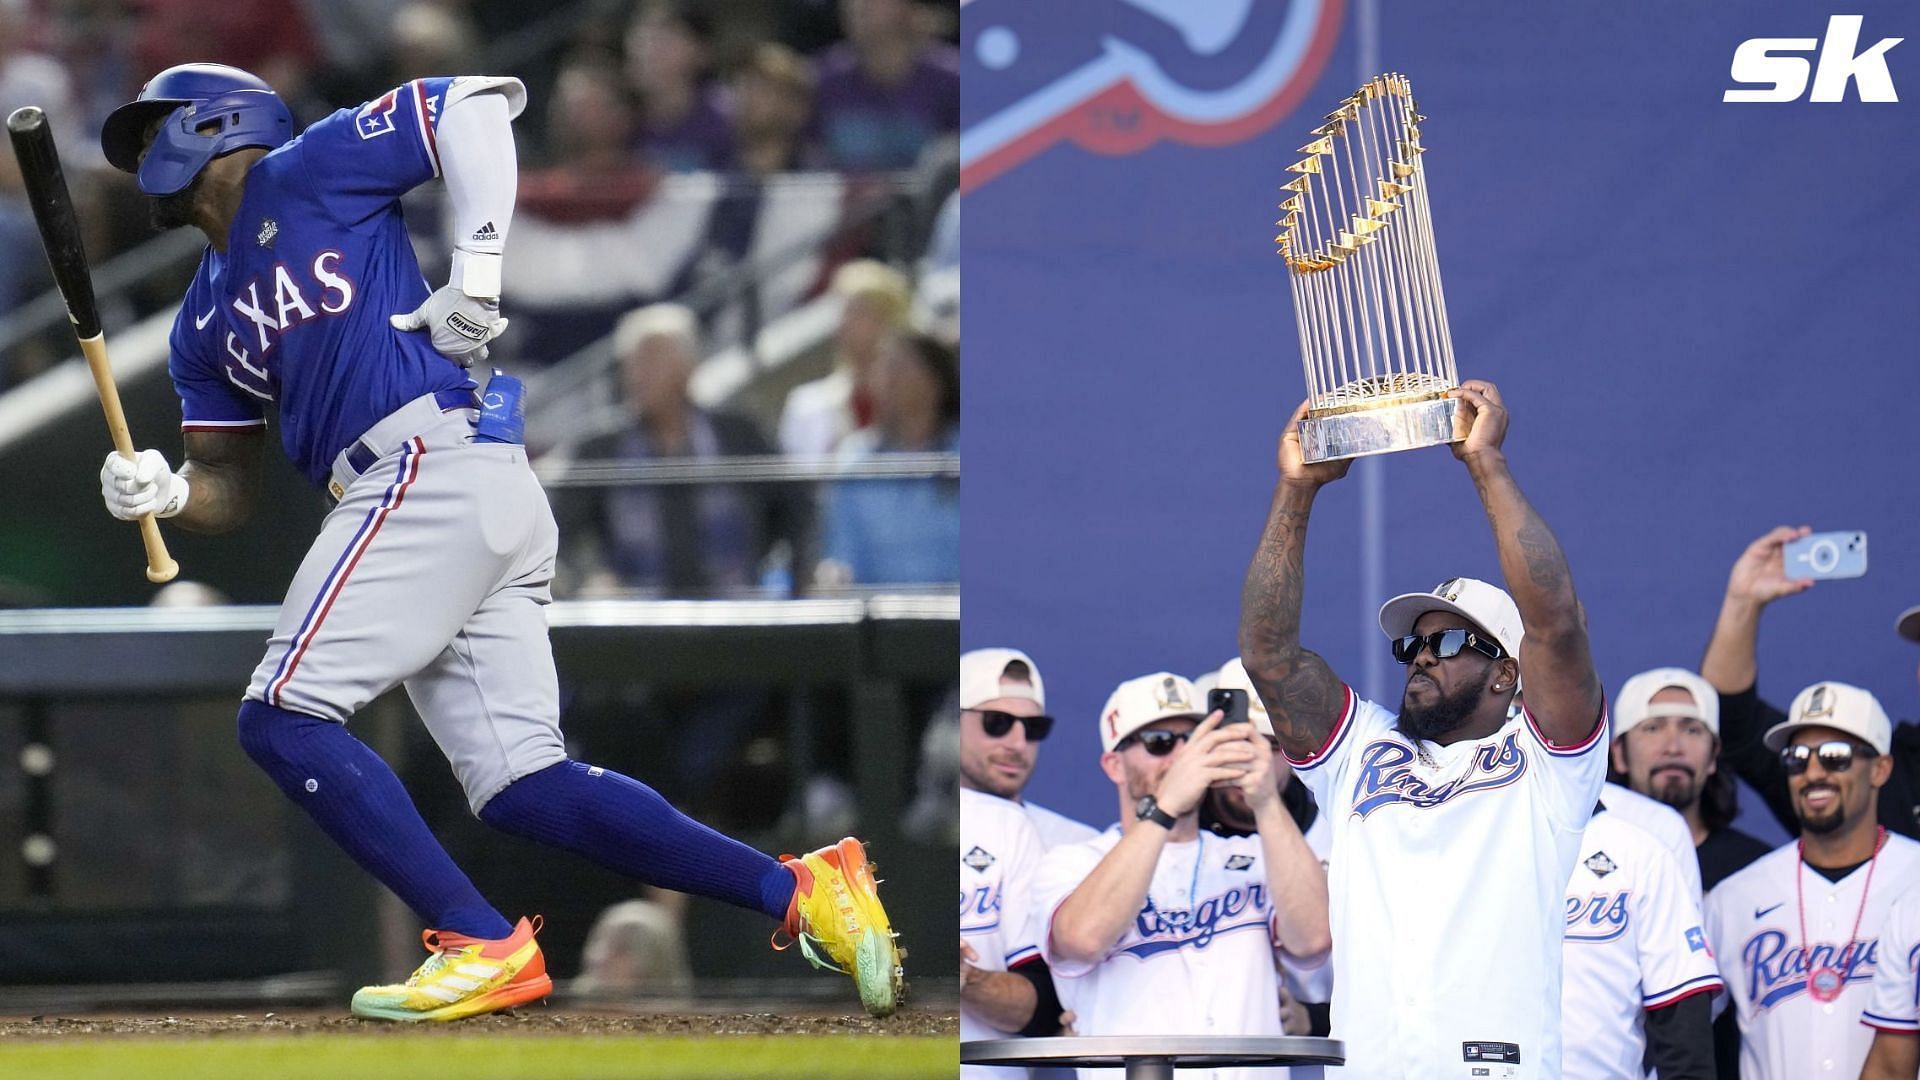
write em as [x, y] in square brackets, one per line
[60, 233]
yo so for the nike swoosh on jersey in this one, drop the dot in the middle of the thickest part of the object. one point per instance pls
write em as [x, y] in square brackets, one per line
[1761, 913]
[201, 322]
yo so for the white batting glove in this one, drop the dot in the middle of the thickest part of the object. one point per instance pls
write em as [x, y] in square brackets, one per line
[461, 325]
[143, 485]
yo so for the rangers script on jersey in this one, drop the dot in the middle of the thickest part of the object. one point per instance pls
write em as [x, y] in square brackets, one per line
[1199, 958]
[1634, 941]
[1449, 872]
[1753, 921]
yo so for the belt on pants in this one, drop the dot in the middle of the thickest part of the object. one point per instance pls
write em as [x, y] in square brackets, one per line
[385, 436]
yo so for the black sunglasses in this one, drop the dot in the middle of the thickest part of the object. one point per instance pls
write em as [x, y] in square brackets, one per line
[1836, 756]
[1158, 743]
[1446, 644]
[996, 723]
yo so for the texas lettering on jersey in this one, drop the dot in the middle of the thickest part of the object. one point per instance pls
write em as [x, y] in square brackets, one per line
[286, 306]
[1387, 775]
[1776, 971]
[1198, 926]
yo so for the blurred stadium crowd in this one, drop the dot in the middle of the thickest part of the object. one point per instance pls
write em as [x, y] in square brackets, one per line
[782, 170]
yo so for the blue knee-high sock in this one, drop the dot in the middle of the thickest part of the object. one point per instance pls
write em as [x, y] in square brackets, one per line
[626, 826]
[355, 798]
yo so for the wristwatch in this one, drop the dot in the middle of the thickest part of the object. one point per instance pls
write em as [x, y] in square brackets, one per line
[1148, 809]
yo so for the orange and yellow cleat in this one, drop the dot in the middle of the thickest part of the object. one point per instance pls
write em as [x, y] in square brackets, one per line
[836, 910]
[465, 976]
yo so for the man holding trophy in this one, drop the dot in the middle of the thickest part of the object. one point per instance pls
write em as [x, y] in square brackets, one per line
[1457, 822]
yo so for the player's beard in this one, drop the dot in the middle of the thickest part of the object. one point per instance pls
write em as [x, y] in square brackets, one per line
[1828, 822]
[993, 783]
[172, 211]
[1445, 715]
[1676, 789]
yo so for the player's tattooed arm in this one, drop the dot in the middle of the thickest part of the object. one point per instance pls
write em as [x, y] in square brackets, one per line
[223, 476]
[1556, 663]
[1302, 694]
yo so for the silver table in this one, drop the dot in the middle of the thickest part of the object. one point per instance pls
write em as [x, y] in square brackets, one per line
[1154, 1057]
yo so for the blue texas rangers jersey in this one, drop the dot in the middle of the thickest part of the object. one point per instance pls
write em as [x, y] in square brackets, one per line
[293, 314]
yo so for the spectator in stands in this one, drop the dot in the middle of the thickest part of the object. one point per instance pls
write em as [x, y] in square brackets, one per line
[1758, 578]
[819, 414]
[907, 530]
[887, 90]
[682, 128]
[430, 39]
[676, 539]
[592, 118]
[772, 103]
[1666, 746]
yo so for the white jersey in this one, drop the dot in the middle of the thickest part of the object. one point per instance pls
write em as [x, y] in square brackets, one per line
[1666, 824]
[1312, 983]
[999, 851]
[1198, 959]
[1753, 922]
[1056, 828]
[1634, 942]
[1895, 1004]
[1447, 882]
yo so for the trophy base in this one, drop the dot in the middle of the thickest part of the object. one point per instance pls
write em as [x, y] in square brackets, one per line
[1384, 430]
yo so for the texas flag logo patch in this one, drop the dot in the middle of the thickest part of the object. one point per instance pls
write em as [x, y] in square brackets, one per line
[376, 116]
[1696, 940]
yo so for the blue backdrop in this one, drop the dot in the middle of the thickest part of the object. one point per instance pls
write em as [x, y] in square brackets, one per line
[1702, 315]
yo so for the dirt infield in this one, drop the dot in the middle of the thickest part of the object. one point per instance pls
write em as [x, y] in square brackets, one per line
[911, 1021]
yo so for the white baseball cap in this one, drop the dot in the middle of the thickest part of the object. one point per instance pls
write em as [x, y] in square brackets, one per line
[1486, 606]
[1839, 706]
[1907, 625]
[1233, 676]
[982, 669]
[1138, 702]
[1634, 705]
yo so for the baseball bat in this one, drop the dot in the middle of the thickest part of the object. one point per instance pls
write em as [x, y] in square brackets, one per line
[60, 234]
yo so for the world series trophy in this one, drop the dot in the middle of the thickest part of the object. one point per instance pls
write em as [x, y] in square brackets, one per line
[1358, 240]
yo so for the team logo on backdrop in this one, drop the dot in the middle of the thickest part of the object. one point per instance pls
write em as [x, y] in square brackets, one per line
[1130, 73]
[1387, 775]
[1776, 969]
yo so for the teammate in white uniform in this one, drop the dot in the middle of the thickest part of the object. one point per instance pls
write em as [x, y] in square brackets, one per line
[999, 850]
[1664, 824]
[1637, 972]
[1455, 828]
[1894, 1010]
[1155, 928]
[1005, 987]
[1797, 933]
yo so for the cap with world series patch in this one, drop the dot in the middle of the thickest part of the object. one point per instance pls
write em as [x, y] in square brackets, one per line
[1138, 702]
[1486, 606]
[1839, 706]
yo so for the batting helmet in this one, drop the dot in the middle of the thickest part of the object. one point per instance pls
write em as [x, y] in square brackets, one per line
[209, 110]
